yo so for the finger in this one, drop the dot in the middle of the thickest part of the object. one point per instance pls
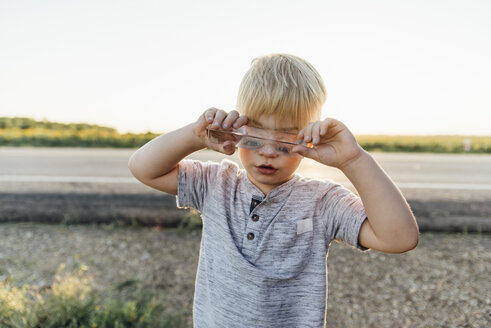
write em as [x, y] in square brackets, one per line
[300, 134]
[324, 127]
[333, 121]
[316, 133]
[242, 120]
[228, 147]
[304, 151]
[209, 114]
[206, 118]
[219, 117]
[308, 133]
[333, 124]
[230, 119]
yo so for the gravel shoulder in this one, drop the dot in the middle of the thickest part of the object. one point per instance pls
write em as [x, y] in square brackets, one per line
[435, 210]
[444, 282]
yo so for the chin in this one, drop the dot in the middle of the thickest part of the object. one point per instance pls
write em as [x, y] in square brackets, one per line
[271, 180]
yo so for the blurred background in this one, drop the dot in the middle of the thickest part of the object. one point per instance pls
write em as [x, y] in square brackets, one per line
[83, 84]
[390, 67]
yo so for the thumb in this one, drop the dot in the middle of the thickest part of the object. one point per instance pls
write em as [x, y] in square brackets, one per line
[228, 148]
[305, 151]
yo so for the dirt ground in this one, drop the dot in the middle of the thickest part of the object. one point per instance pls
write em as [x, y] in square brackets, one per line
[444, 282]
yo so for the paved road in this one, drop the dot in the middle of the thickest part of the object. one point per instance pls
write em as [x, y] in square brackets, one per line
[409, 171]
[446, 192]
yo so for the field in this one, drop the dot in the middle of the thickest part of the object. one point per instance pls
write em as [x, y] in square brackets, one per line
[20, 131]
[28, 132]
[433, 144]
[441, 283]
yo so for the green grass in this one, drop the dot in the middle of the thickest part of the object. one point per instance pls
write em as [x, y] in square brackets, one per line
[21, 131]
[433, 144]
[71, 301]
[190, 222]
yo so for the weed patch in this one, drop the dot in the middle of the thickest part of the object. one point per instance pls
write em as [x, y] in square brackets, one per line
[71, 301]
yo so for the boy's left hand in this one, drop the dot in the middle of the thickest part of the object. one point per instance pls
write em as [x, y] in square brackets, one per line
[334, 144]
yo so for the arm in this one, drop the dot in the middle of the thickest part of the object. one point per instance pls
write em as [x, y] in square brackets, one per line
[390, 226]
[156, 163]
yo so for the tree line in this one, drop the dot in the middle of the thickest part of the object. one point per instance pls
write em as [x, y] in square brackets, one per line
[23, 131]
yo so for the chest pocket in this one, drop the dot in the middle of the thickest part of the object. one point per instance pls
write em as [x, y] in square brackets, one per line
[289, 247]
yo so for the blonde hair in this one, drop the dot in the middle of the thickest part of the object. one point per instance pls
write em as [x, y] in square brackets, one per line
[282, 85]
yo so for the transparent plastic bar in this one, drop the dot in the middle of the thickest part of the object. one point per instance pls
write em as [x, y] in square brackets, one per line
[281, 143]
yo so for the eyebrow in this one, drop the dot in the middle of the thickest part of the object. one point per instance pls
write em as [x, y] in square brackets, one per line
[254, 123]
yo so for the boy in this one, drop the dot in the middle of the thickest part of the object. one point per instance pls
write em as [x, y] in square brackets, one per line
[266, 230]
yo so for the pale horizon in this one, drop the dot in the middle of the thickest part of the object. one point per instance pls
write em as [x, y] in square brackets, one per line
[390, 67]
[161, 132]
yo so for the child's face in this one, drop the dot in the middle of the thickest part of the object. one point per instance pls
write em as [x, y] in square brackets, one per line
[265, 167]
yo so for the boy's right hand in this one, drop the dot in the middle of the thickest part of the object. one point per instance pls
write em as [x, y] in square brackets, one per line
[217, 118]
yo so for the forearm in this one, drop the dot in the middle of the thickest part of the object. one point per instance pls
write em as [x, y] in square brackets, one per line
[162, 154]
[387, 211]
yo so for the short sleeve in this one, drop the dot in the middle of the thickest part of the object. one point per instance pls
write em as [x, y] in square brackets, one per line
[193, 181]
[343, 214]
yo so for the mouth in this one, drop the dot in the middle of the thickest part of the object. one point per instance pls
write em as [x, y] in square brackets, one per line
[266, 169]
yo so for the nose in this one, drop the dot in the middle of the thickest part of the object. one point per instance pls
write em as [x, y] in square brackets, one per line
[268, 150]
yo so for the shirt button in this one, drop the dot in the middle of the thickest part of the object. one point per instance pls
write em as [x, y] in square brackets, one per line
[255, 218]
[250, 236]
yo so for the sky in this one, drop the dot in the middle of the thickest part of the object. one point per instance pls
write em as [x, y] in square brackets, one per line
[390, 67]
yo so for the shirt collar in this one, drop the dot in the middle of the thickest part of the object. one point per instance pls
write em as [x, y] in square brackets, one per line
[280, 191]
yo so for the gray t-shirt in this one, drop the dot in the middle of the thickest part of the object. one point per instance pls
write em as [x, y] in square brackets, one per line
[262, 260]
